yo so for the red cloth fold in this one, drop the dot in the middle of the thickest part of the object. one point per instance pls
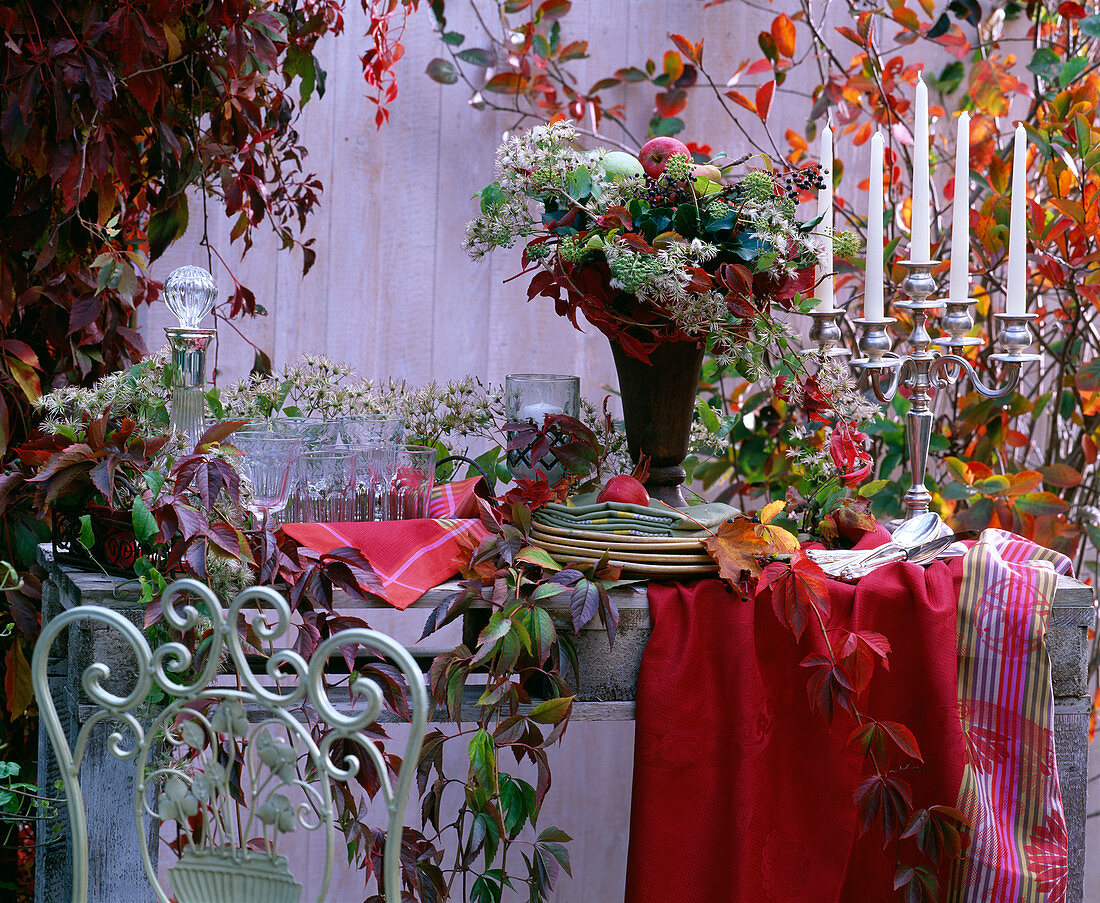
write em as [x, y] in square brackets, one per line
[741, 793]
[409, 556]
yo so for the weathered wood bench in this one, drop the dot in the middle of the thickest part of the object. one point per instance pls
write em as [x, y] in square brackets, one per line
[605, 692]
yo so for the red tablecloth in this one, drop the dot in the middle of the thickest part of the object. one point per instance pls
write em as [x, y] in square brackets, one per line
[742, 794]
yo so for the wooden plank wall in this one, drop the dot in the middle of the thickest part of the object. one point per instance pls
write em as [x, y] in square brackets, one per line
[392, 292]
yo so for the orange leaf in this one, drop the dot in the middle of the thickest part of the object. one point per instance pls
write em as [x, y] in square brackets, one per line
[739, 543]
[784, 34]
[738, 97]
[770, 510]
[764, 96]
[692, 51]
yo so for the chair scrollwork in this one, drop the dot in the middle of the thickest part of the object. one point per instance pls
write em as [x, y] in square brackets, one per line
[217, 741]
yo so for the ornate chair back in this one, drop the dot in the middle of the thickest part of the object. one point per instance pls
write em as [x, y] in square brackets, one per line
[276, 741]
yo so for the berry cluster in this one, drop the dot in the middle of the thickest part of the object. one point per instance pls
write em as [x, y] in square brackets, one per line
[810, 178]
[660, 193]
[677, 168]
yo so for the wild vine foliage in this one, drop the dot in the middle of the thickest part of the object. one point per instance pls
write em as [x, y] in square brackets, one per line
[110, 113]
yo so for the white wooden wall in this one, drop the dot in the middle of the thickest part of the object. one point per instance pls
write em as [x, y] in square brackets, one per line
[393, 293]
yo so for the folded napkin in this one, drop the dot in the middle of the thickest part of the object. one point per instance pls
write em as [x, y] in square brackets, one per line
[583, 512]
[409, 556]
[742, 794]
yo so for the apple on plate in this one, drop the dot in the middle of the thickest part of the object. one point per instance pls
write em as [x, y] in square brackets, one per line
[624, 489]
[656, 151]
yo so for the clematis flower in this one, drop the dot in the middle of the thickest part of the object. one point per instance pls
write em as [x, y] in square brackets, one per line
[846, 448]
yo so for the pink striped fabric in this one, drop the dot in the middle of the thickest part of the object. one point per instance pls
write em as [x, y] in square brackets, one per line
[1010, 789]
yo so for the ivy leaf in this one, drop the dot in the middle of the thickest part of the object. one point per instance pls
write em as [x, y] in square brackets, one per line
[884, 798]
[552, 711]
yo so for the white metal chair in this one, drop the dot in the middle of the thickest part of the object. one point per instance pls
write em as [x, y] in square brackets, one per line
[203, 740]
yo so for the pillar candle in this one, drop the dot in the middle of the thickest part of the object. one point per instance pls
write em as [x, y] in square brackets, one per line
[824, 277]
[919, 242]
[874, 292]
[1016, 294]
[960, 222]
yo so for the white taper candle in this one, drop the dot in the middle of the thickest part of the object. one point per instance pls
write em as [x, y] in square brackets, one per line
[960, 222]
[1016, 293]
[874, 291]
[919, 242]
[824, 278]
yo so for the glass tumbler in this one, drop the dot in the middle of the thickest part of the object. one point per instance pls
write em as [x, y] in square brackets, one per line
[316, 434]
[394, 482]
[326, 490]
[531, 397]
[358, 432]
[268, 465]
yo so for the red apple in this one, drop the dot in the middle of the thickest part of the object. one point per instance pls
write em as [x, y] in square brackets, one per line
[656, 151]
[625, 490]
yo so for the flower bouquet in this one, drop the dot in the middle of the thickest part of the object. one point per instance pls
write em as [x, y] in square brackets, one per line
[667, 257]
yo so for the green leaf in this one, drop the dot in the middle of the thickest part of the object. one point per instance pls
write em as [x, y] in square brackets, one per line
[552, 711]
[145, 525]
[539, 557]
[453, 38]
[1072, 69]
[154, 479]
[476, 56]
[665, 126]
[707, 415]
[442, 71]
[580, 183]
[1045, 64]
[492, 197]
[1090, 26]
[869, 489]
[87, 536]
[483, 760]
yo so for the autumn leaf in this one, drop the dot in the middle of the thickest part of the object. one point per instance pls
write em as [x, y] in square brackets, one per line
[740, 543]
[797, 589]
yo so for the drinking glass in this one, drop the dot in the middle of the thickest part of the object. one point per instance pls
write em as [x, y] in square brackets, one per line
[268, 465]
[531, 397]
[360, 432]
[394, 482]
[327, 489]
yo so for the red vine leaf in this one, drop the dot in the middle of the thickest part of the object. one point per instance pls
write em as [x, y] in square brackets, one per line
[797, 590]
[884, 798]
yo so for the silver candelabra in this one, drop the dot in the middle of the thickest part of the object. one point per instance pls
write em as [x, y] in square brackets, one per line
[923, 371]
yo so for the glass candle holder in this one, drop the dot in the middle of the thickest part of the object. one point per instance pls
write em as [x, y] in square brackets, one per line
[531, 397]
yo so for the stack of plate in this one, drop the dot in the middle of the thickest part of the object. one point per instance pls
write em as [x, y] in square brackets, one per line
[637, 555]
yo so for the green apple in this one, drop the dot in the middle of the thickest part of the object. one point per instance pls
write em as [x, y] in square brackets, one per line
[620, 164]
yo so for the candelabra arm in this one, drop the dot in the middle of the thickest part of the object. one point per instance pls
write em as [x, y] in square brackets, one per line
[947, 370]
[884, 390]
